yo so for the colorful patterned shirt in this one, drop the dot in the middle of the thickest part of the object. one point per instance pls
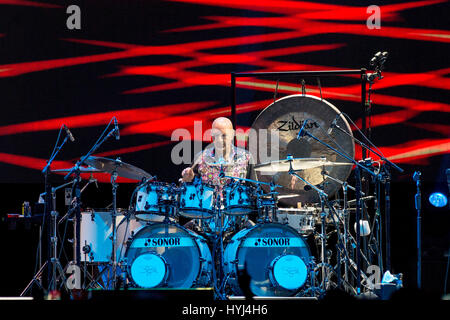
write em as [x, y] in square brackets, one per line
[238, 165]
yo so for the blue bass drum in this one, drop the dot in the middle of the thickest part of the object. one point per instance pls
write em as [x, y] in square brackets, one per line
[170, 256]
[276, 258]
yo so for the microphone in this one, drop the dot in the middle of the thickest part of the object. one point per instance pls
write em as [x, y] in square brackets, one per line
[92, 179]
[69, 134]
[301, 133]
[333, 124]
[116, 128]
[416, 176]
[221, 173]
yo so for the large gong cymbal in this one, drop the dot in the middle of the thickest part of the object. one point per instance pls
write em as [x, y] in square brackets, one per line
[285, 117]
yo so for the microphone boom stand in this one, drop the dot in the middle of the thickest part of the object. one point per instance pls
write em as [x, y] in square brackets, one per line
[76, 189]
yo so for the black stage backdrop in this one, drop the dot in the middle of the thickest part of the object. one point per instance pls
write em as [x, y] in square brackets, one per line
[161, 65]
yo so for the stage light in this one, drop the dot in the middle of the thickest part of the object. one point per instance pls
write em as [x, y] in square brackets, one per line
[438, 200]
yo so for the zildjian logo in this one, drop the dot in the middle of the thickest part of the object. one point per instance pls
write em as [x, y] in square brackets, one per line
[289, 125]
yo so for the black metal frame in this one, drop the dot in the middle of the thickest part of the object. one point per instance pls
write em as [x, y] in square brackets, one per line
[365, 115]
[295, 74]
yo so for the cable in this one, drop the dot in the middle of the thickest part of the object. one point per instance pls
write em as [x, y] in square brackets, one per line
[57, 140]
[101, 136]
[335, 142]
[446, 274]
[367, 139]
[62, 241]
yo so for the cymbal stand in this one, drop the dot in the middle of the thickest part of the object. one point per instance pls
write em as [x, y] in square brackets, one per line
[323, 245]
[323, 197]
[345, 224]
[220, 279]
[114, 186]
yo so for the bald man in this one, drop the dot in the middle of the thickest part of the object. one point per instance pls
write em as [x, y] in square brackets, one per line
[236, 161]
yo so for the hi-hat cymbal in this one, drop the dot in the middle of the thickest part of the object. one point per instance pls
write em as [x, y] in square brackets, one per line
[122, 169]
[285, 165]
[285, 117]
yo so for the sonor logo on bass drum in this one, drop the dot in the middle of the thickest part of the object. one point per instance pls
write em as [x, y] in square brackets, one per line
[271, 242]
[162, 242]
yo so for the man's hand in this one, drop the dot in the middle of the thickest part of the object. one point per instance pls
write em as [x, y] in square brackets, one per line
[187, 175]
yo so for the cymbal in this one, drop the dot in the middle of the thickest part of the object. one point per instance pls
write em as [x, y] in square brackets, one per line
[122, 169]
[284, 118]
[284, 165]
[286, 196]
[82, 170]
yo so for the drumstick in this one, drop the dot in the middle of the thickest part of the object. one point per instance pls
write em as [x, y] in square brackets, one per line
[196, 161]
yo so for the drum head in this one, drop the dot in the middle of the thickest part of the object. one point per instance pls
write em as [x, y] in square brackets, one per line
[148, 270]
[272, 253]
[169, 244]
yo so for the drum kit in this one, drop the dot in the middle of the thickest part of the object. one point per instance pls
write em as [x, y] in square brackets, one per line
[154, 250]
[276, 228]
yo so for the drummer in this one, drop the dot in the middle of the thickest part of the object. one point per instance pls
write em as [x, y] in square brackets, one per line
[220, 155]
[235, 161]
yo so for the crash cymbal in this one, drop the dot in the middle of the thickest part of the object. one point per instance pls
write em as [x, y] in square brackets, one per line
[285, 117]
[286, 196]
[284, 165]
[82, 170]
[122, 169]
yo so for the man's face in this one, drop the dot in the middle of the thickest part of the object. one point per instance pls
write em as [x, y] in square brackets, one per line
[223, 140]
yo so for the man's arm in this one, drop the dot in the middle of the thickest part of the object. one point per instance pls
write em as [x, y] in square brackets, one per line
[188, 174]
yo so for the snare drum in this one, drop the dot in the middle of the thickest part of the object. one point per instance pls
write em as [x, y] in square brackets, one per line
[197, 200]
[303, 220]
[238, 199]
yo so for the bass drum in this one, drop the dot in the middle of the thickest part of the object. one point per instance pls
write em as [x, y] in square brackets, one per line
[170, 256]
[276, 258]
